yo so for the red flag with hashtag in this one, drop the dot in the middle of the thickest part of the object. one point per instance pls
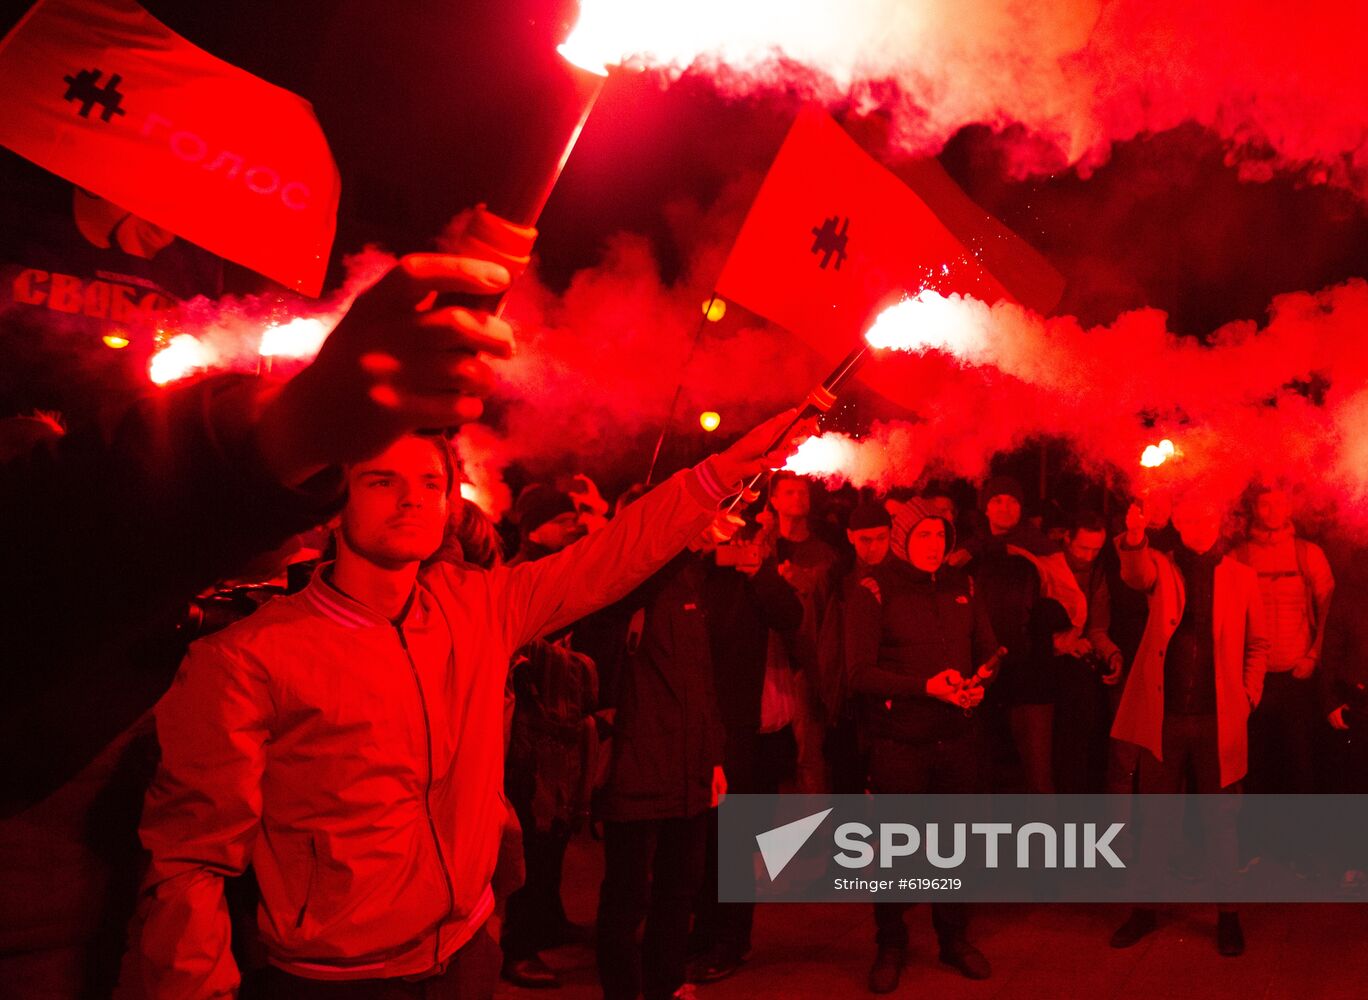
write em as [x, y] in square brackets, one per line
[105, 95]
[833, 235]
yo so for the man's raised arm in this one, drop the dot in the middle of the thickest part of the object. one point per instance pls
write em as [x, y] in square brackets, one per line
[541, 596]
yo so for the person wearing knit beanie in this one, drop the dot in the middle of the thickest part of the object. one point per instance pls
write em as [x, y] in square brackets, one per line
[547, 521]
[915, 644]
[869, 514]
[1001, 501]
[911, 513]
[868, 530]
[997, 486]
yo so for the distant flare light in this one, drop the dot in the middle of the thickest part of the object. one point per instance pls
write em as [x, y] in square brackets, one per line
[714, 309]
[709, 420]
[1156, 455]
[115, 341]
[183, 355]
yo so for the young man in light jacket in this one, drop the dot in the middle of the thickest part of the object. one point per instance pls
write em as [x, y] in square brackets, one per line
[1197, 675]
[347, 741]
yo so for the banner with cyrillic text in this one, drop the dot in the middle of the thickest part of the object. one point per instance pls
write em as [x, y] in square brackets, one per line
[105, 95]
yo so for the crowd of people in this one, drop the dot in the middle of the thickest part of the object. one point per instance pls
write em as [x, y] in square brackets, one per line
[897, 644]
[361, 777]
[850, 643]
[397, 786]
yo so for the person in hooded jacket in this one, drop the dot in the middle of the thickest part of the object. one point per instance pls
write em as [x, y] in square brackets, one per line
[915, 637]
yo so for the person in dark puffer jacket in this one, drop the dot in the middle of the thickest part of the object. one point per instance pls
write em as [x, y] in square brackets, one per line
[914, 635]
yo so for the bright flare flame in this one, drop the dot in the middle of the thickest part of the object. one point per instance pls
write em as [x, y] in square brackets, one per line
[814, 32]
[592, 44]
[709, 420]
[182, 356]
[928, 321]
[115, 341]
[714, 309]
[822, 456]
[1156, 455]
[299, 338]
[584, 54]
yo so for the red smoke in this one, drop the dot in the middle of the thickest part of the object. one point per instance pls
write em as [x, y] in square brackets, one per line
[1060, 84]
[600, 362]
[1275, 81]
[597, 365]
[241, 334]
[1234, 409]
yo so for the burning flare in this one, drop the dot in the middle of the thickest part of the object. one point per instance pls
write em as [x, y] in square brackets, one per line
[822, 456]
[928, 321]
[1077, 75]
[297, 338]
[183, 355]
[1156, 455]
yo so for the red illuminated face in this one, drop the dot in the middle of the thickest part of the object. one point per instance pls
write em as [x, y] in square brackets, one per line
[791, 499]
[397, 504]
[1004, 513]
[1272, 510]
[558, 532]
[926, 545]
[871, 544]
[1198, 524]
[1085, 545]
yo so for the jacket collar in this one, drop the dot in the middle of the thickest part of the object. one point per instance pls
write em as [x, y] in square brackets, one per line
[343, 610]
[901, 568]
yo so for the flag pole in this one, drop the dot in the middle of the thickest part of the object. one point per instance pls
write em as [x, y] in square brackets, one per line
[818, 402]
[679, 388]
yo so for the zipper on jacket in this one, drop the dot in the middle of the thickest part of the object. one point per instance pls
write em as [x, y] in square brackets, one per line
[427, 796]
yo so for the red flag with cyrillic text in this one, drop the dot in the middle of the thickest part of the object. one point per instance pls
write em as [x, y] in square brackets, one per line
[833, 235]
[103, 94]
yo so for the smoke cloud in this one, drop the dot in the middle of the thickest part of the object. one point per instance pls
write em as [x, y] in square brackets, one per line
[1286, 401]
[598, 364]
[1060, 85]
[601, 361]
[1275, 81]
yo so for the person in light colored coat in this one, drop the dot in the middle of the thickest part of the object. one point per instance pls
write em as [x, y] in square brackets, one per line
[1197, 675]
[1241, 652]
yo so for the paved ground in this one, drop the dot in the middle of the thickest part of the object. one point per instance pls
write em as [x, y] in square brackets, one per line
[822, 951]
